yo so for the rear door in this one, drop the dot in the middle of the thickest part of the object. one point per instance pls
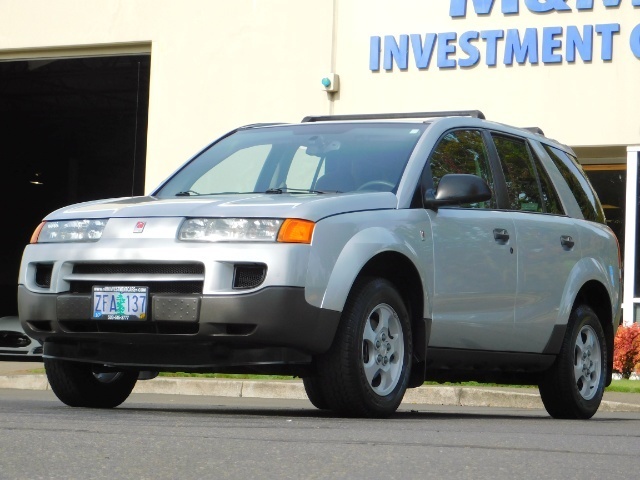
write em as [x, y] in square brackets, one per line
[548, 243]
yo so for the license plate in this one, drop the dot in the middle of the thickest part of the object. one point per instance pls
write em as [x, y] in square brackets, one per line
[119, 303]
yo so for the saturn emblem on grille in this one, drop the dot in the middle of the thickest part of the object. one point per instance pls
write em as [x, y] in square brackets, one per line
[139, 228]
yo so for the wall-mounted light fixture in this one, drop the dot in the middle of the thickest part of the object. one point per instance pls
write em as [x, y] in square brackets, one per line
[331, 83]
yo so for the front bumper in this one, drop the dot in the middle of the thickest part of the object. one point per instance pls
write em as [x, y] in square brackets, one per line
[198, 332]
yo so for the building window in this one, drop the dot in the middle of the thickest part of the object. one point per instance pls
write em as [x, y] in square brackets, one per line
[610, 183]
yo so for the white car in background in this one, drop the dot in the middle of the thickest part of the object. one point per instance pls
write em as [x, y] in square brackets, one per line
[15, 345]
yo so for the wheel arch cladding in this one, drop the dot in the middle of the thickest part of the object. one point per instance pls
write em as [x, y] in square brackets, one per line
[595, 295]
[402, 273]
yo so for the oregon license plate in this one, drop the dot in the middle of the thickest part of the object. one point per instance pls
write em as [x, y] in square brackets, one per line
[119, 303]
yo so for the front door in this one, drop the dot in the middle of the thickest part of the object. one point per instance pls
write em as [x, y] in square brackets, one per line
[475, 284]
[474, 256]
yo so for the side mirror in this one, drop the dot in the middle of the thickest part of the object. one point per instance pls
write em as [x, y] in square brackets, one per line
[457, 188]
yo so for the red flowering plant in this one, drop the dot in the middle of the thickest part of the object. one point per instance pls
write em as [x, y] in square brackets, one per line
[626, 350]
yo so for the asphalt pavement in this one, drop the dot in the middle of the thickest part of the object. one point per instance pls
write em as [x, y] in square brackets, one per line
[199, 437]
[26, 375]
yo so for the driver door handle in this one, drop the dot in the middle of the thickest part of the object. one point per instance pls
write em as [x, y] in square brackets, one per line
[500, 235]
[567, 242]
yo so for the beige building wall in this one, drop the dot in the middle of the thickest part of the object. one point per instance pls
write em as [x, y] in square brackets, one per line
[219, 64]
[215, 65]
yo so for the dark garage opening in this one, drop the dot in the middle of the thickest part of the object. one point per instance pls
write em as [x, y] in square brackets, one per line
[72, 130]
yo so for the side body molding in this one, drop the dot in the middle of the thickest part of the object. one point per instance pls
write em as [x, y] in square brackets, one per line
[585, 271]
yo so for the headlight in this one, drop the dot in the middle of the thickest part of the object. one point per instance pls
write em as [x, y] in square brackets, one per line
[246, 229]
[230, 229]
[69, 231]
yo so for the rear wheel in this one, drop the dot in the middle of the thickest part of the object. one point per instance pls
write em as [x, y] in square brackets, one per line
[366, 370]
[574, 385]
[79, 384]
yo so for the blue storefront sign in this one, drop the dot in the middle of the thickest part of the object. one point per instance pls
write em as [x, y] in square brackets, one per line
[509, 46]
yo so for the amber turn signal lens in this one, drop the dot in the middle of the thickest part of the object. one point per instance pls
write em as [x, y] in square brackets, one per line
[296, 231]
[36, 233]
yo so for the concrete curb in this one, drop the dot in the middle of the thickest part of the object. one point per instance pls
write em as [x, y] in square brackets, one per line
[428, 395]
[190, 386]
[24, 382]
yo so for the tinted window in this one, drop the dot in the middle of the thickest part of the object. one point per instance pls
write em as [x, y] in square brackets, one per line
[462, 151]
[519, 173]
[578, 183]
[549, 194]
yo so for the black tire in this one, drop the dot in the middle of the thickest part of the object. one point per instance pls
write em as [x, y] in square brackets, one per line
[374, 338]
[313, 387]
[76, 384]
[584, 350]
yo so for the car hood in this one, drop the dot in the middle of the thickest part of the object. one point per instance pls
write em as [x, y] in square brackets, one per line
[255, 205]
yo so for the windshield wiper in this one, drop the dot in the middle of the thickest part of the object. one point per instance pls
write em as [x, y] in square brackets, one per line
[188, 193]
[293, 190]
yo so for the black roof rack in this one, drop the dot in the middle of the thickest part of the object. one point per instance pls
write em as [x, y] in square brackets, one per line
[390, 116]
[537, 130]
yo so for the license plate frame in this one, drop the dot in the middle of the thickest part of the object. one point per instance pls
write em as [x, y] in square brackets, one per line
[115, 302]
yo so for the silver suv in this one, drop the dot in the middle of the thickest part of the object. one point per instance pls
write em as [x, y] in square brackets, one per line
[362, 253]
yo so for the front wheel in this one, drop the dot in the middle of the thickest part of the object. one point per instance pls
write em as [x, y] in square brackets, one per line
[574, 385]
[366, 370]
[313, 388]
[80, 385]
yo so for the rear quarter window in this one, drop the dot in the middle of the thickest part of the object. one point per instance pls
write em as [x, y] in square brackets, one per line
[549, 194]
[578, 183]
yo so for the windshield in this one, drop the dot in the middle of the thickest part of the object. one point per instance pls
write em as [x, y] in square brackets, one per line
[307, 158]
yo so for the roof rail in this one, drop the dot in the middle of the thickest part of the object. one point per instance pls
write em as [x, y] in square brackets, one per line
[390, 116]
[253, 125]
[537, 130]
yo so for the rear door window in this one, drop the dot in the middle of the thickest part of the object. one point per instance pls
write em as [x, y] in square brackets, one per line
[523, 189]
